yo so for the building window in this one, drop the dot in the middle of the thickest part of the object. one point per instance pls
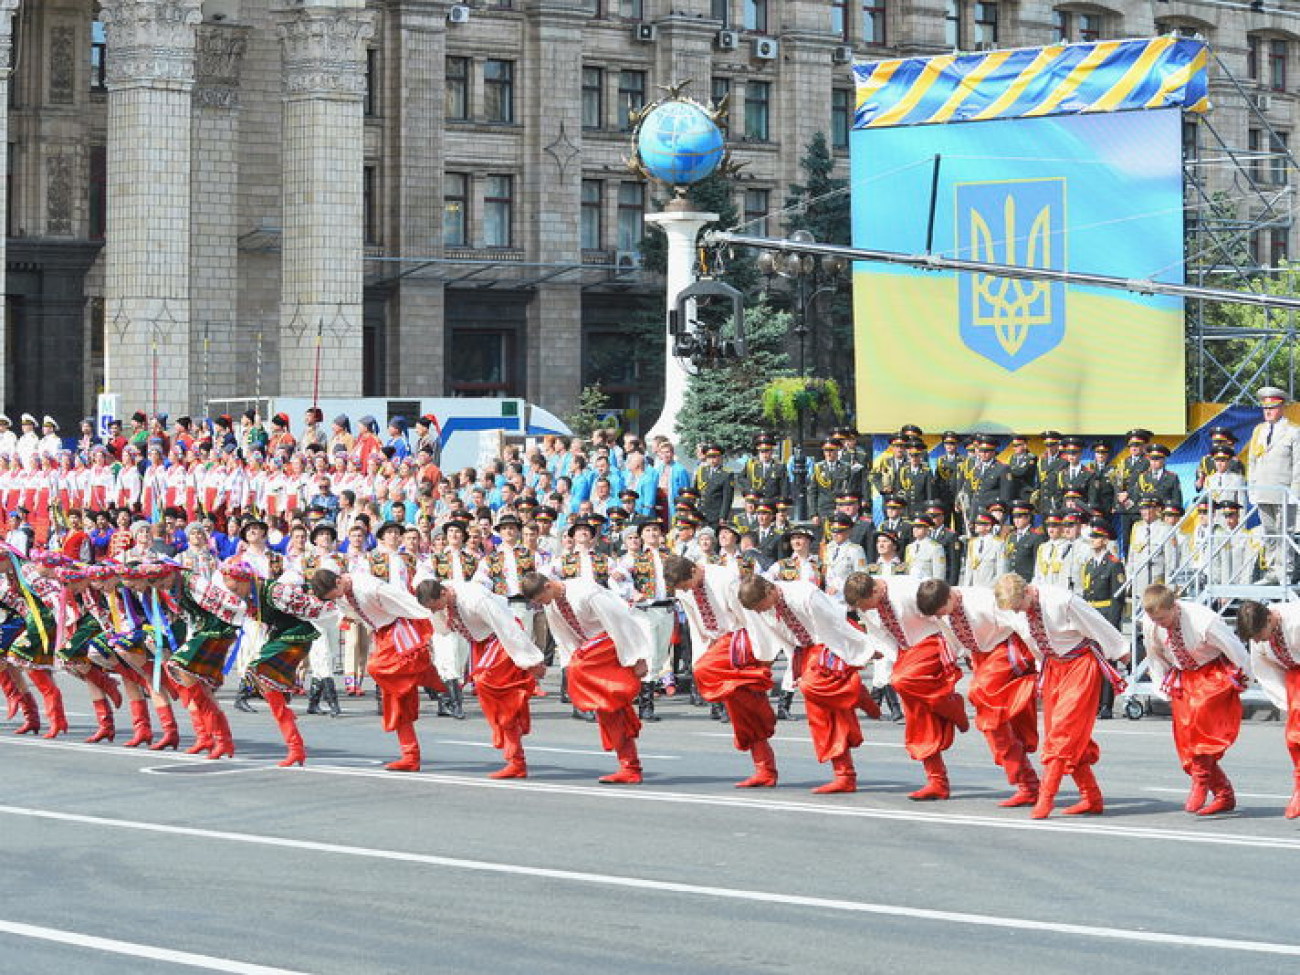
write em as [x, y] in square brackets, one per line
[370, 204]
[457, 88]
[840, 19]
[97, 202]
[986, 24]
[498, 201]
[873, 21]
[593, 200]
[631, 96]
[757, 204]
[499, 91]
[593, 98]
[98, 57]
[719, 89]
[478, 362]
[758, 108]
[372, 82]
[1255, 150]
[1061, 25]
[1278, 251]
[631, 9]
[841, 117]
[1278, 162]
[631, 216]
[1277, 49]
[1090, 27]
[455, 210]
[1252, 57]
[756, 15]
[721, 10]
[953, 36]
[1191, 137]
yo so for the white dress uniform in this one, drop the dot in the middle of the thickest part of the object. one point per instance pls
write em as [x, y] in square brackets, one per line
[986, 561]
[1273, 468]
[1054, 563]
[842, 560]
[926, 559]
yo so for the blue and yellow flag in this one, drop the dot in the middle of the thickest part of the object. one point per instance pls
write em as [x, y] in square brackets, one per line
[1063, 79]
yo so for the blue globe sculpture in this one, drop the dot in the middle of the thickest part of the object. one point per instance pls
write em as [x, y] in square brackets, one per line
[679, 144]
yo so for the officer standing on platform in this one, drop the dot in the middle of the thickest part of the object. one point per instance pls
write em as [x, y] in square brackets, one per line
[859, 460]
[828, 479]
[949, 471]
[1050, 493]
[1023, 542]
[764, 474]
[987, 477]
[1022, 470]
[715, 485]
[949, 539]
[1102, 578]
[1126, 471]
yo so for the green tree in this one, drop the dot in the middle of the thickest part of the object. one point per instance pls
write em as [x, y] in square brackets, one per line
[715, 194]
[586, 415]
[1241, 366]
[725, 405]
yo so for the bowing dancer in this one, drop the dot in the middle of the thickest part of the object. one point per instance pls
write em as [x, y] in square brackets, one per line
[609, 647]
[1004, 687]
[1274, 637]
[1075, 647]
[88, 615]
[152, 625]
[215, 607]
[826, 654]
[924, 674]
[399, 661]
[504, 663]
[728, 671]
[44, 632]
[1201, 666]
[287, 613]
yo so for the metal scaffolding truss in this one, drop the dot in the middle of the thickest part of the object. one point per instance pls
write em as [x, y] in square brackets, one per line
[1231, 196]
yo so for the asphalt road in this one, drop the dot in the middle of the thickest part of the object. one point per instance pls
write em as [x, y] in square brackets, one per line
[117, 860]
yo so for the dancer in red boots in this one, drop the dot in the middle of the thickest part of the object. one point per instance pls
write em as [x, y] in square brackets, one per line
[609, 649]
[286, 611]
[152, 630]
[13, 602]
[827, 653]
[1004, 688]
[1274, 638]
[215, 607]
[1201, 666]
[504, 663]
[111, 651]
[925, 672]
[1075, 647]
[87, 608]
[34, 650]
[725, 667]
[399, 659]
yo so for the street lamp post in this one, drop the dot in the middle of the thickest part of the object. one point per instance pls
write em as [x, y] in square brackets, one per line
[811, 279]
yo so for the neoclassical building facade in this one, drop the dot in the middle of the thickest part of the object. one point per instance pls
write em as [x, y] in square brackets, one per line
[208, 199]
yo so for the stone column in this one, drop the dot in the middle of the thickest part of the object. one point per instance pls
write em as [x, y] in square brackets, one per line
[7, 9]
[414, 321]
[324, 49]
[214, 262]
[147, 273]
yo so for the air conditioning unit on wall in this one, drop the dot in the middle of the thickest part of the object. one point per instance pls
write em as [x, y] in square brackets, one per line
[645, 33]
[727, 40]
[766, 49]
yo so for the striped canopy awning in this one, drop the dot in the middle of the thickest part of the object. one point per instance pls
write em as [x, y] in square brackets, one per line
[1063, 79]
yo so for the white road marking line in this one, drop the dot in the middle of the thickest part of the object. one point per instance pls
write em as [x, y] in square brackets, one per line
[663, 886]
[1240, 795]
[545, 748]
[803, 808]
[215, 769]
[151, 952]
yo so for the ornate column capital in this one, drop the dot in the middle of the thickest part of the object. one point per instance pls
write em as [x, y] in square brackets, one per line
[152, 41]
[324, 49]
[220, 60]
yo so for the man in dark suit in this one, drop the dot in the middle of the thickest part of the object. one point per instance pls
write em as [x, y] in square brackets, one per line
[1023, 542]
[715, 485]
[764, 474]
[987, 476]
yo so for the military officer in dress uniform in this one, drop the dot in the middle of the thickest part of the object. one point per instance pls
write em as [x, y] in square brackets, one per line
[715, 485]
[859, 460]
[986, 558]
[843, 556]
[1273, 473]
[828, 478]
[987, 476]
[1074, 474]
[1023, 542]
[1150, 555]
[1156, 481]
[1101, 579]
[953, 546]
[1125, 473]
[884, 473]
[1054, 564]
[1103, 486]
[764, 474]
[893, 521]
[766, 536]
[950, 473]
[925, 557]
[1221, 438]
[863, 531]
[1022, 470]
[1049, 492]
[915, 479]
[748, 518]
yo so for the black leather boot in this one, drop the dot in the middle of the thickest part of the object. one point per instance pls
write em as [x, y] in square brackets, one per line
[783, 707]
[457, 703]
[314, 696]
[331, 695]
[564, 686]
[647, 708]
[247, 691]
